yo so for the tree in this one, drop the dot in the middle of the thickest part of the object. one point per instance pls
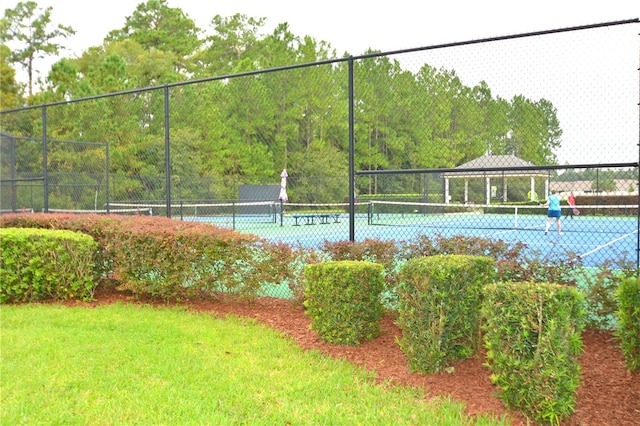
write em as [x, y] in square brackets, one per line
[603, 184]
[302, 111]
[247, 128]
[321, 174]
[10, 90]
[228, 50]
[155, 25]
[30, 26]
[438, 91]
[535, 129]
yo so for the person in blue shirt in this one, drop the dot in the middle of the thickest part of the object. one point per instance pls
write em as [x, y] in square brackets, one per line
[553, 212]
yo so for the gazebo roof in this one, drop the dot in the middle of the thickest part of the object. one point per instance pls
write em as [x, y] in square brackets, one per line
[496, 161]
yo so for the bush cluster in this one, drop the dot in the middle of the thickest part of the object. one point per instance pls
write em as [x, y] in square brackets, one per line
[532, 333]
[256, 264]
[343, 300]
[170, 260]
[439, 308]
[628, 331]
[37, 264]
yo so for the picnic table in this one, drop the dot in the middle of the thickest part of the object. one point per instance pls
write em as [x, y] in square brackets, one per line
[310, 218]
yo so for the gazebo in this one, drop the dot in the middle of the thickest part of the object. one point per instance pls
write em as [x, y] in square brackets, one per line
[508, 165]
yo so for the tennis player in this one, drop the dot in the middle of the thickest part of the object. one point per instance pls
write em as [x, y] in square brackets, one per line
[573, 210]
[553, 212]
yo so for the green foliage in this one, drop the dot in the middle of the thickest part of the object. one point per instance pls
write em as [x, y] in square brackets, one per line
[10, 90]
[343, 300]
[536, 130]
[163, 258]
[38, 264]
[603, 184]
[532, 332]
[628, 314]
[439, 300]
[258, 124]
[258, 267]
[599, 286]
[283, 263]
[156, 26]
[370, 250]
[319, 159]
[30, 27]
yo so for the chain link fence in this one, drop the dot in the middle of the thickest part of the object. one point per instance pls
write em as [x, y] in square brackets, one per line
[465, 138]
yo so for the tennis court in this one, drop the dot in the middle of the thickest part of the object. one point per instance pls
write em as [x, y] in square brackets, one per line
[598, 234]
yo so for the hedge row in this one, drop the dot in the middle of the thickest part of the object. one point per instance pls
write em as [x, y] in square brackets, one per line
[170, 260]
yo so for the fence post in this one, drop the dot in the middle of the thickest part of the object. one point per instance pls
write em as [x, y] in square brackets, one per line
[352, 176]
[107, 193]
[45, 169]
[167, 149]
[14, 189]
[281, 213]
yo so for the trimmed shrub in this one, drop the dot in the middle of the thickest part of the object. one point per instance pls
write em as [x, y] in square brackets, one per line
[370, 250]
[39, 264]
[628, 314]
[532, 332]
[439, 301]
[343, 300]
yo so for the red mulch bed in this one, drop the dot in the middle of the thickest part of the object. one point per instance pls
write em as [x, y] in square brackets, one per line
[608, 393]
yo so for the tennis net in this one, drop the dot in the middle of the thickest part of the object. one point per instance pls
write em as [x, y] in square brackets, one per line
[313, 208]
[217, 213]
[620, 219]
[23, 210]
[137, 211]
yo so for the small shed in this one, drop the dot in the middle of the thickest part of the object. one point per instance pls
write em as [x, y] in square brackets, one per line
[485, 167]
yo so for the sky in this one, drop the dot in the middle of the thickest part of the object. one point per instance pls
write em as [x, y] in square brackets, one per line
[354, 26]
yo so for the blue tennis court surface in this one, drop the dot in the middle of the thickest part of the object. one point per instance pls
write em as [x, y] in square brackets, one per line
[595, 240]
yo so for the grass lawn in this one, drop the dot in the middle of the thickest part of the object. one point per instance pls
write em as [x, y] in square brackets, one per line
[130, 364]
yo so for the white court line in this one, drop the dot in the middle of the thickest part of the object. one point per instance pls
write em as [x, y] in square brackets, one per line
[564, 244]
[510, 231]
[608, 244]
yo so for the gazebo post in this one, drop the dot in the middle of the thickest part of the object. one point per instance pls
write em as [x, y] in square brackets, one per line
[504, 188]
[488, 190]
[466, 190]
[446, 191]
[533, 189]
[546, 188]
